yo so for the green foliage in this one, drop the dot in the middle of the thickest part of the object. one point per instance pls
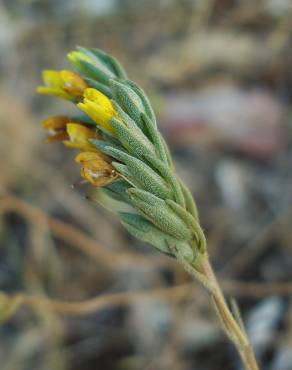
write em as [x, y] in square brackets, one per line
[132, 140]
[168, 216]
[106, 61]
[157, 211]
[144, 99]
[128, 100]
[155, 137]
[142, 229]
[144, 176]
[118, 191]
[99, 86]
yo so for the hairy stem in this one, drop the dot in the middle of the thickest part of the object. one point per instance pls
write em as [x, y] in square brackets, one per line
[229, 324]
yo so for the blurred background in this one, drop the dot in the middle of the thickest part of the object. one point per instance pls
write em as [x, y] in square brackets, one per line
[219, 75]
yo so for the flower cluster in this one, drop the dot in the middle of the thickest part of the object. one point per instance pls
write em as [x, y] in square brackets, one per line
[122, 153]
[96, 166]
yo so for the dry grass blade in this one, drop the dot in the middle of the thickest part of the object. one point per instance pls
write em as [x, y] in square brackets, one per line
[76, 238]
[175, 293]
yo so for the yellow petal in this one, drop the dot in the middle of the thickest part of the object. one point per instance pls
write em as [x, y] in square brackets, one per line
[86, 156]
[55, 91]
[99, 98]
[73, 83]
[78, 136]
[97, 113]
[65, 84]
[92, 155]
[52, 78]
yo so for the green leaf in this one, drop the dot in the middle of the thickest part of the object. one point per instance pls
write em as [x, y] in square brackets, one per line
[127, 120]
[117, 67]
[124, 170]
[104, 146]
[158, 212]
[190, 203]
[143, 175]
[100, 60]
[191, 222]
[118, 190]
[155, 137]
[129, 101]
[167, 152]
[144, 230]
[99, 86]
[168, 175]
[119, 186]
[109, 61]
[93, 72]
[136, 143]
[151, 235]
[144, 99]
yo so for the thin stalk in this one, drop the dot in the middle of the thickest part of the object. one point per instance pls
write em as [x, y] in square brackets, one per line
[229, 324]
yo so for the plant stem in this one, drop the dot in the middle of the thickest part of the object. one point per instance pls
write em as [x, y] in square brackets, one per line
[231, 327]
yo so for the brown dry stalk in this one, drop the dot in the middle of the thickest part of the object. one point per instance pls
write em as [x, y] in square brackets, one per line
[9, 304]
[77, 238]
[175, 293]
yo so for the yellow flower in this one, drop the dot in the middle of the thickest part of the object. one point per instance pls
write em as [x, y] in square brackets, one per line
[79, 135]
[65, 84]
[98, 107]
[95, 168]
[56, 127]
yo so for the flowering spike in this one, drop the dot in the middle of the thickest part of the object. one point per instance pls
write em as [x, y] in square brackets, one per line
[121, 149]
[124, 128]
